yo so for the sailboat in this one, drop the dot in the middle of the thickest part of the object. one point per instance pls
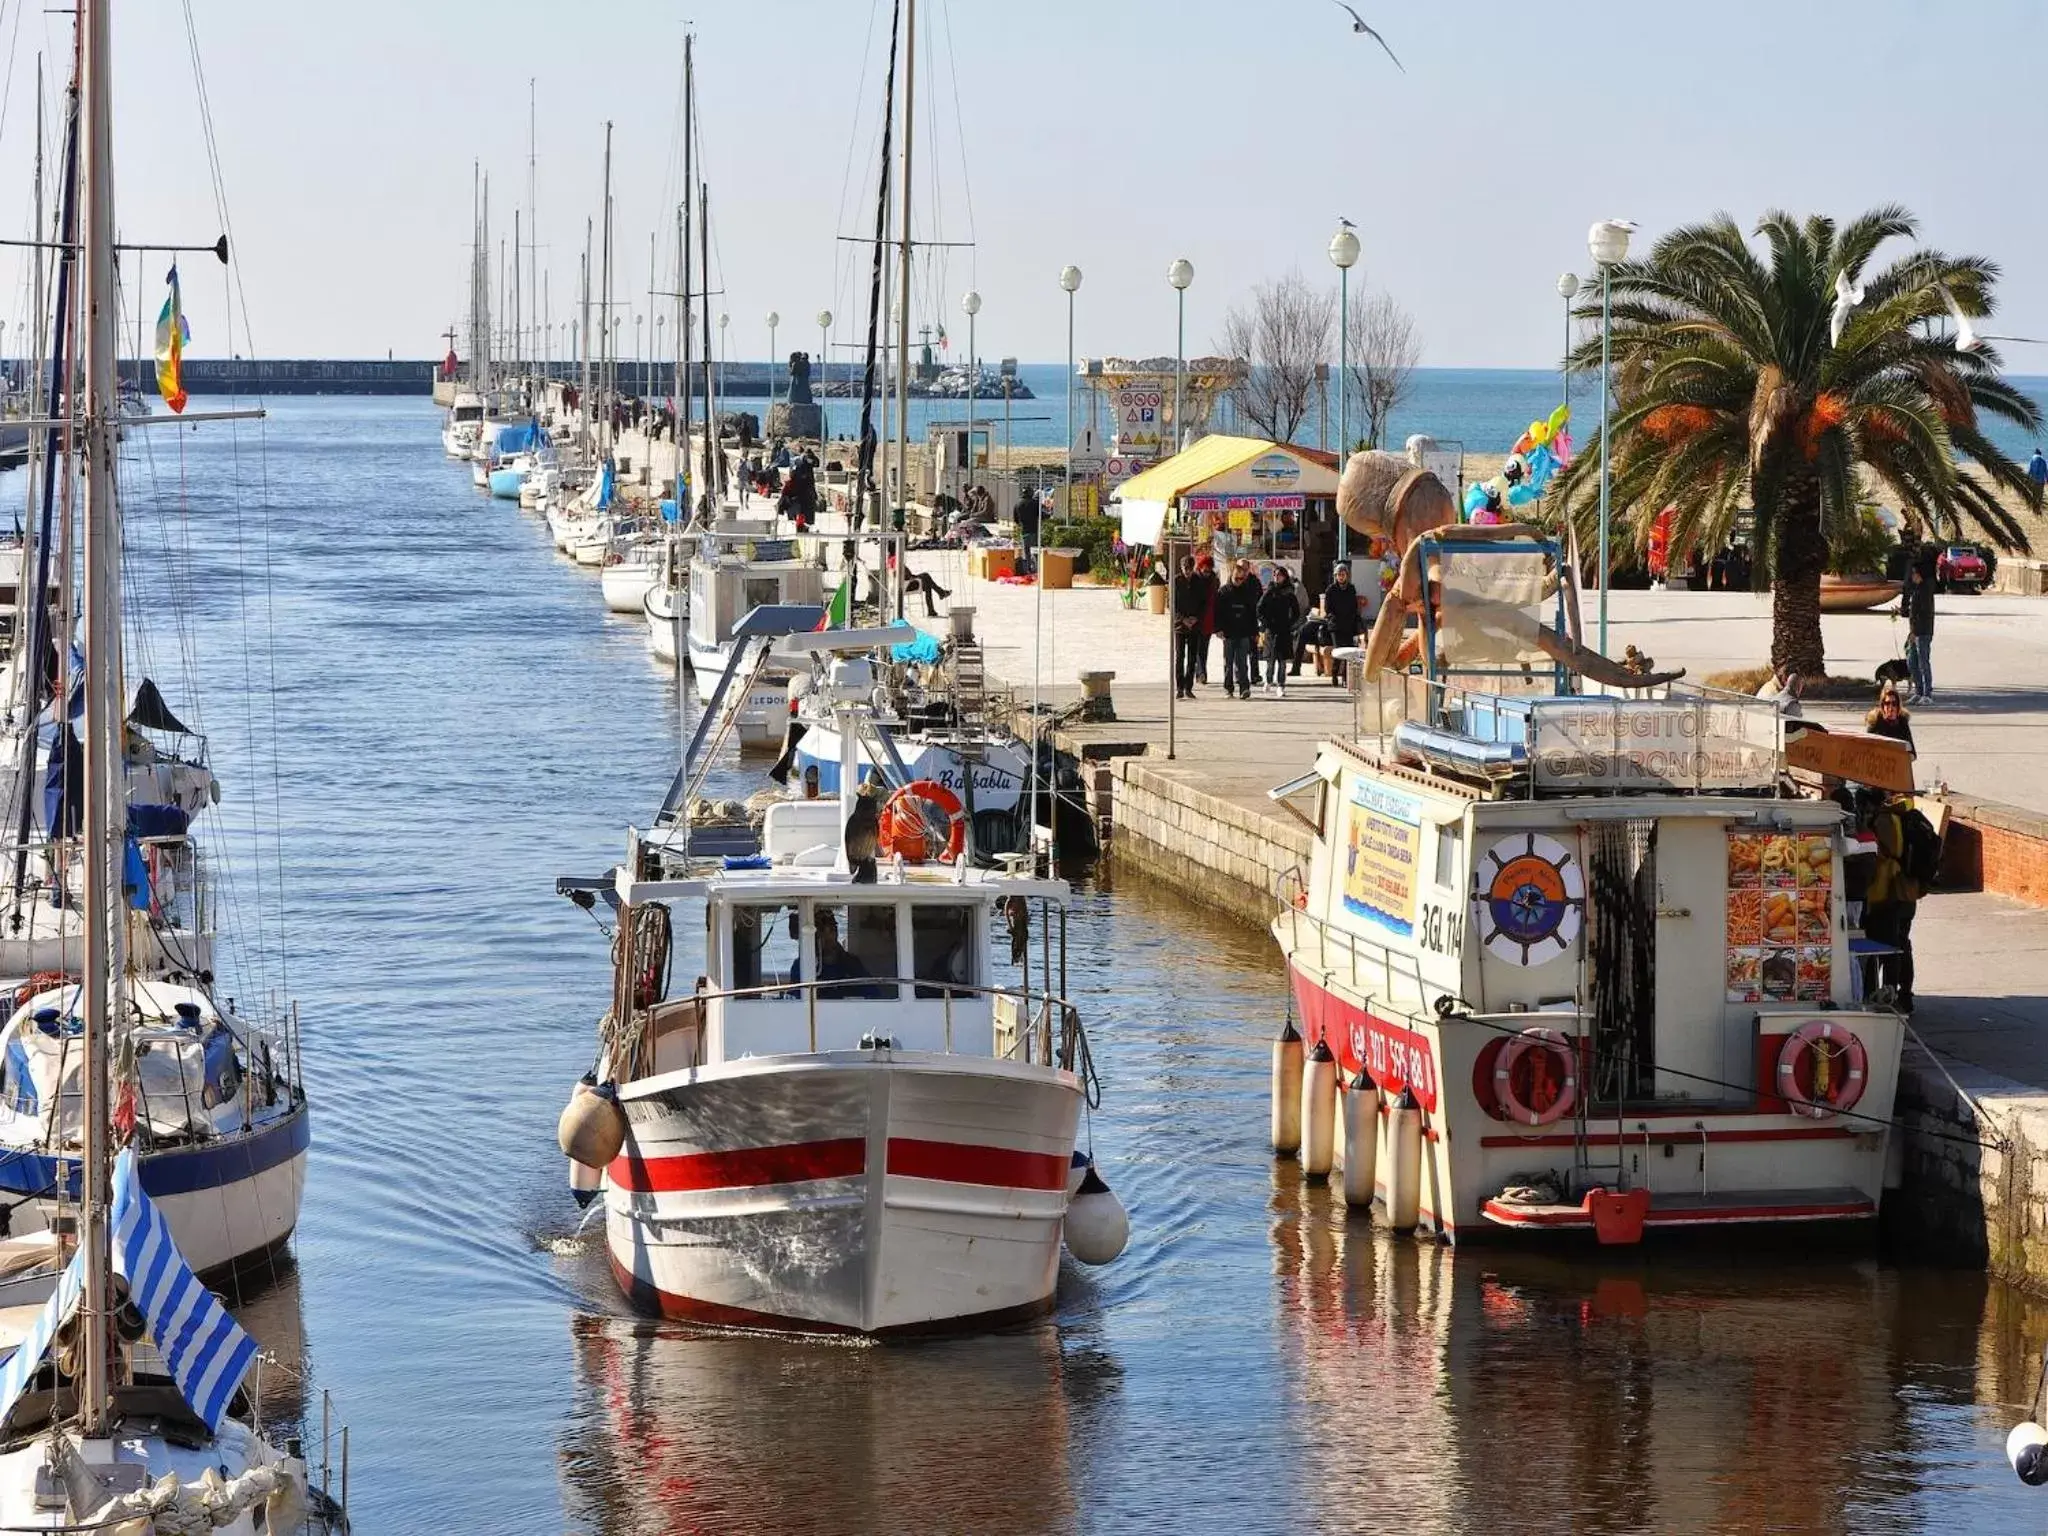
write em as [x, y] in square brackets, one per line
[219, 1119]
[118, 1407]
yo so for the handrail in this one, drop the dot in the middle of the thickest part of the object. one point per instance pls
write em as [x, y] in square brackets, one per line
[1378, 954]
[1036, 1018]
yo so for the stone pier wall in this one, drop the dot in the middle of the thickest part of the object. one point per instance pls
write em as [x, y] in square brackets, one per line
[1214, 850]
[1962, 1201]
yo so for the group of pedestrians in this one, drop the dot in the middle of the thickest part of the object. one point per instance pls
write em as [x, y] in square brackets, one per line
[1254, 617]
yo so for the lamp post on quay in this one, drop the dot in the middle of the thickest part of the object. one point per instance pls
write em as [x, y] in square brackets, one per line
[774, 320]
[1567, 289]
[824, 350]
[1608, 242]
[1344, 253]
[1180, 275]
[971, 302]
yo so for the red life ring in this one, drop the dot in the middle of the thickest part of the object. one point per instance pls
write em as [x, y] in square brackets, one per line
[1554, 1067]
[1821, 1040]
[903, 825]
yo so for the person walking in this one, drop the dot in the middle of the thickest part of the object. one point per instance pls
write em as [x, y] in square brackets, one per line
[1190, 608]
[1205, 577]
[2037, 470]
[1341, 608]
[1279, 614]
[1889, 718]
[1237, 615]
[1916, 606]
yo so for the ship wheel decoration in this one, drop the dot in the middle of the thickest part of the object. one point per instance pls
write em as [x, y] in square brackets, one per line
[1530, 896]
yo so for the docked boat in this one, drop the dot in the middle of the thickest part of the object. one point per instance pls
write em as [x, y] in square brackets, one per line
[464, 424]
[731, 577]
[1579, 947]
[852, 1123]
[630, 573]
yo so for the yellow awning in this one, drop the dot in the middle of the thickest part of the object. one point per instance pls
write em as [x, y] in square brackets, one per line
[1209, 457]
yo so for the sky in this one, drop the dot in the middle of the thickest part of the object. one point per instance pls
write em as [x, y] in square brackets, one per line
[1112, 134]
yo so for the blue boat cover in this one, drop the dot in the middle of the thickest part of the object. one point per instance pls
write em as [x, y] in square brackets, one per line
[523, 437]
[158, 821]
[920, 647]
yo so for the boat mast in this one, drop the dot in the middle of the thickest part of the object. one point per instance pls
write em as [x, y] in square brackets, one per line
[532, 225]
[903, 303]
[605, 282]
[583, 348]
[483, 279]
[866, 450]
[103, 758]
[516, 336]
[714, 467]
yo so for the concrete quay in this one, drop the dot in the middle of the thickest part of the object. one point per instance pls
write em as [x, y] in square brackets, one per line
[1973, 1098]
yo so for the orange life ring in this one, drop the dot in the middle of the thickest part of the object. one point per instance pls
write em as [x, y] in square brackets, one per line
[903, 825]
[1820, 1096]
[1562, 1076]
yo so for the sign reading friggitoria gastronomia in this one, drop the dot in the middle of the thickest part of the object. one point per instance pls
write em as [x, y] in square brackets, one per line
[1666, 743]
[1382, 834]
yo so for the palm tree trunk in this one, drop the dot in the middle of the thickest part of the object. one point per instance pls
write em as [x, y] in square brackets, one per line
[1802, 557]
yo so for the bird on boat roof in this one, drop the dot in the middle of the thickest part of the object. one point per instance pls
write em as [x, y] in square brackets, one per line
[1358, 25]
[863, 836]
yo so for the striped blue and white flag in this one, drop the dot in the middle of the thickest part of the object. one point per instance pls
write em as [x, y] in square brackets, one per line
[205, 1351]
[202, 1347]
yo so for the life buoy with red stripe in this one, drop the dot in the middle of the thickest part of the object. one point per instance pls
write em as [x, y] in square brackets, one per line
[903, 827]
[1546, 1086]
[1837, 1069]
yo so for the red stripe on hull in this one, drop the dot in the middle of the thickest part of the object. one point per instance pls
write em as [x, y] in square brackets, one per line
[1572, 1219]
[745, 1168]
[958, 1163]
[1675, 1138]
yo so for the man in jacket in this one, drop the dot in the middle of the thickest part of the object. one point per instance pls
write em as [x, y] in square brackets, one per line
[1891, 900]
[1916, 606]
[1237, 616]
[1279, 613]
[1341, 608]
[1190, 608]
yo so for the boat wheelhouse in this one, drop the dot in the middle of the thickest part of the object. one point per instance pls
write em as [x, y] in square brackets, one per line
[1580, 950]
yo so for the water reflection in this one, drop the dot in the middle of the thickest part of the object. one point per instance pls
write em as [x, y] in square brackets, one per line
[1501, 1389]
[678, 1431]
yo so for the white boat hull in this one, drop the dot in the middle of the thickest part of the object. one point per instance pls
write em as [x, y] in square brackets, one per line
[856, 1191]
[626, 585]
[761, 716]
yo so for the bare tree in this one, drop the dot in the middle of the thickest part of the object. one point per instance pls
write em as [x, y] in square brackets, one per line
[1282, 332]
[1385, 348]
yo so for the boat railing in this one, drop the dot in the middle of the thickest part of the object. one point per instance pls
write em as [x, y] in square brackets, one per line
[1398, 973]
[1048, 1027]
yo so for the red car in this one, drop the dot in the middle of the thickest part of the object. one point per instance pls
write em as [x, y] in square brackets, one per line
[1961, 568]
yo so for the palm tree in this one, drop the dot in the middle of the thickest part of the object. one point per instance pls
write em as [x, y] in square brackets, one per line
[1728, 387]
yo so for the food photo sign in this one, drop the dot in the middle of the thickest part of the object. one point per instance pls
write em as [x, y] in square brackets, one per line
[1780, 916]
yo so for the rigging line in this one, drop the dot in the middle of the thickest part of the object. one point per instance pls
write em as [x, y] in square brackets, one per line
[860, 96]
[263, 461]
[960, 130]
[13, 45]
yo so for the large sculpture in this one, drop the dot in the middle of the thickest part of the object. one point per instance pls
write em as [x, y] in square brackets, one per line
[800, 378]
[800, 415]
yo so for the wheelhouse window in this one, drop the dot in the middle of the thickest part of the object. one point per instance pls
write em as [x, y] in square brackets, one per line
[765, 946]
[1450, 853]
[761, 592]
[856, 948]
[941, 947]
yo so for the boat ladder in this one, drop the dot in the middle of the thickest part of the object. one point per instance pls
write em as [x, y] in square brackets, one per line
[970, 683]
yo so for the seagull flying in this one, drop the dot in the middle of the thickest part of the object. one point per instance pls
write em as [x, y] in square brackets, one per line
[1847, 296]
[1967, 339]
[1358, 25]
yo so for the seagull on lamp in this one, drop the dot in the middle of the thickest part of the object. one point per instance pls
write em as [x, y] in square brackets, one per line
[1847, 296]
[1358, 24]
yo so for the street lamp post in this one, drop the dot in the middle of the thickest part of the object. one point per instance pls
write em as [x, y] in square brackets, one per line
[1567, 289]
[971, 302]
[774, 320]
[1070, 279]
[1608, 242]
[1180, 274]
[639, 355]
[1343, 252]
[824, 364]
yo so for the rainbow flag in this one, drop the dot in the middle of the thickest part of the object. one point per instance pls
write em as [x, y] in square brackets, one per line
[172, 335]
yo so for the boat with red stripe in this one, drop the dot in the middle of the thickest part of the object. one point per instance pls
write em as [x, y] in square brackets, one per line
[1579, 941]
[853, 1122]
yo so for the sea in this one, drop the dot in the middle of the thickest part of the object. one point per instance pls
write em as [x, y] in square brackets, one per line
[1477, 410]
[422, 716]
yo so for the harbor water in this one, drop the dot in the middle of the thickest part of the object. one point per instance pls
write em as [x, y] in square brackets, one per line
[450, 720]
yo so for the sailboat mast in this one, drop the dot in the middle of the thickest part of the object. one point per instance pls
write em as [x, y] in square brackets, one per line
[483, 264]
[865, 450]
[685, 287]
[532, 227]
[102, 718]
[518, 335]
[605, 316]
[583, 346]
[714, 467]
[903, 291]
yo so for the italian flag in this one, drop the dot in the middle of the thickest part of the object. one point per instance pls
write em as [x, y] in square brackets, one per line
[837, 610]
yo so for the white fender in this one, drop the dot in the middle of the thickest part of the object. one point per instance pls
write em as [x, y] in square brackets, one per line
[1097, 1224]
[1287, 1090]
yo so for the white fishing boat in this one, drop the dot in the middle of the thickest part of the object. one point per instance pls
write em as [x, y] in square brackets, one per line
[1576, 945]
[729, 579]
[852, 1123]
[633, 571]
[464, 424]
[122, 1405]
